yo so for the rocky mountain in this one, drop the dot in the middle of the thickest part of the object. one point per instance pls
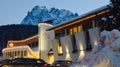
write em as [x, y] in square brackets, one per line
[42, 14]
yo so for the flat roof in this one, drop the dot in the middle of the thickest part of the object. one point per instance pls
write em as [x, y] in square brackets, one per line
[80, 17]
[19, 42]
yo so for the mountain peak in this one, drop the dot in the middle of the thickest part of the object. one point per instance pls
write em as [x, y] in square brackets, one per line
[42, 14]
[37, 7]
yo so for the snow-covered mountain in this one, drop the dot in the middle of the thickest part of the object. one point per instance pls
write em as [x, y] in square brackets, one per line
[42, 14]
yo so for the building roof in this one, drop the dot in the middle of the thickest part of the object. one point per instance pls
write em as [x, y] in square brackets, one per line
[81, 16]
[24, 41]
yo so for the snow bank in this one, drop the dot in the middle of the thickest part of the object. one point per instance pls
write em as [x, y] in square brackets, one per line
[108, 55]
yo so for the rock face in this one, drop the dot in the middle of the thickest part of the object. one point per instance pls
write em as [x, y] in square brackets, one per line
[42, 14]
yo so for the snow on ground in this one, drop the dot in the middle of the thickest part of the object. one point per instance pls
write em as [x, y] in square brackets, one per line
[105, 55]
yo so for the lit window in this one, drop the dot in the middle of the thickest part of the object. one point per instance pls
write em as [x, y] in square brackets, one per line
[15, 53]
[25, 53]
[75, 30]
[59, 47]
[21, 53]
[71, 31]
[80, 28]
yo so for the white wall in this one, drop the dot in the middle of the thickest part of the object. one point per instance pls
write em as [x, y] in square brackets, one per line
[94, 36]
[44, 43]
[67, 48]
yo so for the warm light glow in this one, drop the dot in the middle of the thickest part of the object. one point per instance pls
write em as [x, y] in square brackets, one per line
[81, 46]
[80, 28]
[19, 51]
[67, 50]
[95, 42]
[59, 47]
[103, 12]
[60, 50]
[91, 16]
[68, 57]
[82, 54]
[11, 45]
[83, 19]
[51, 59]
[71, 32]
[23, 41]
[75, 30]
[46, 24]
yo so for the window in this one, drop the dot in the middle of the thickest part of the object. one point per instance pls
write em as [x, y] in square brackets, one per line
[25, 53]
[60, 34]
[71, 31]
[74, 45]
[15, 53]
[18, 53]
[21, 53]
[88, 43]
[75, 30]
[60, 52]
[87, 25]
[80, 28]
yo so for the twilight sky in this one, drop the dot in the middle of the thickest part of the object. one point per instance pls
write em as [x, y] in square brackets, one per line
[14, 11]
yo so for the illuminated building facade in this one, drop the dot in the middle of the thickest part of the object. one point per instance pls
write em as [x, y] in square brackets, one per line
[27, 48]
[66, 41]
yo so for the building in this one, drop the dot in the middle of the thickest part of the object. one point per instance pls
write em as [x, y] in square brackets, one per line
[70, 40]
[27, 48]
[15, 32]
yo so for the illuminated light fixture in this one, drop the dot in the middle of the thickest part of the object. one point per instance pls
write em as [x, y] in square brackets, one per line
[81, 46]
[67, 50]
[11, 45]
[68, 57]
[82, 54]
[95, 42]
[61, 50]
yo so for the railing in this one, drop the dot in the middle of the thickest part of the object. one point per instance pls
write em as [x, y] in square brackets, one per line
[19, 48]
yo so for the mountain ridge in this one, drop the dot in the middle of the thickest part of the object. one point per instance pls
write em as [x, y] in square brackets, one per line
[42, 14]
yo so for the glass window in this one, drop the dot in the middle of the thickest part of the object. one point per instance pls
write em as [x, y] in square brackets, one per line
[18, 53]
[71, 31]
[25, 53]
[88, 44]
[59, 47]
[75, 30]
[80, 28]
[74, 45]
[21, 53]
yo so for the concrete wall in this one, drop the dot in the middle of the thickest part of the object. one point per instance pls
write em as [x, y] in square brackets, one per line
[44, 43]
[66, 44]
[94, 36]
[47, 41]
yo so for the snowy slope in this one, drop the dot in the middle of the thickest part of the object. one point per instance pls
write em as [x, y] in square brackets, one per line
[42, 14]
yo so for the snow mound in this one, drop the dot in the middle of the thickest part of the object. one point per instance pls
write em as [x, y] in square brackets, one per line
[108, 56]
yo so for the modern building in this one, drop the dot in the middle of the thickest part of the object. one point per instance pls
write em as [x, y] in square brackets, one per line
[27, 48]
[70, 40]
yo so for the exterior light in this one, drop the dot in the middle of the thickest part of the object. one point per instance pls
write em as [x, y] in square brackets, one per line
[11, 45]
[95, 42]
